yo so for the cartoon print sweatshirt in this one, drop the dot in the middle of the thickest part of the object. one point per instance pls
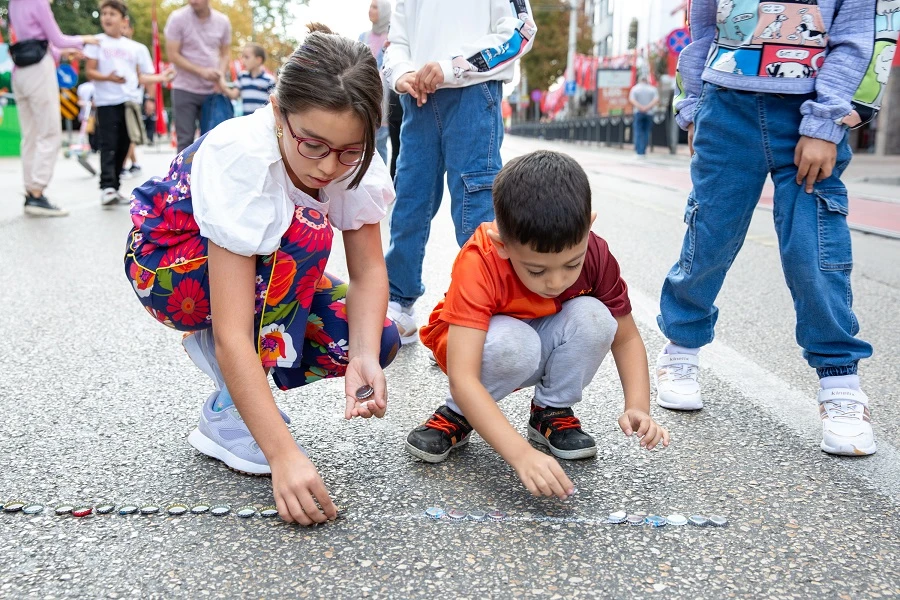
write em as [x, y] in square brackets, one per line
[472, 40]
[782, 47]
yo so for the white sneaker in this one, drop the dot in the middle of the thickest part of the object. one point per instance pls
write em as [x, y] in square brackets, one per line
[405, 319]
[677, 387]
[109, 197]
[846, 427]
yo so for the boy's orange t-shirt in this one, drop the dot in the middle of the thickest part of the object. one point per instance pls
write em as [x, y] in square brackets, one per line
[483, 285]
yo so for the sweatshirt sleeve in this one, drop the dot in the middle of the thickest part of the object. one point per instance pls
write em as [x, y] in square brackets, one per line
[56, 37]
[397, 57]
[868, 98]
[512, 35]
[692, 60]
[851, 42]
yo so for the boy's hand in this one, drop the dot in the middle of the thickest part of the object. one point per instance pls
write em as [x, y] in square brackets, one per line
[815, 159]
[542, 475]
[650, 434]
[428, 78]
[691, 138]
[407, 85]
[169, 74]
[363, 371]
[297, 487]
[115, 78]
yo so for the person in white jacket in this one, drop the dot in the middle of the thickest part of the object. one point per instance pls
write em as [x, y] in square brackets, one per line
[448, 60]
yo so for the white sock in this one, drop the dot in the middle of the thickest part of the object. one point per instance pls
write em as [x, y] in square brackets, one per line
[676, 349]
[840, 381]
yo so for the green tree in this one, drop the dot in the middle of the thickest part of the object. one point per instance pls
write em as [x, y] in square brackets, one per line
[75, 17]
[546, 61]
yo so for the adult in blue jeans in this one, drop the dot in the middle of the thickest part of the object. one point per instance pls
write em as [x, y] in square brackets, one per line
[448, 61]
[644, 98]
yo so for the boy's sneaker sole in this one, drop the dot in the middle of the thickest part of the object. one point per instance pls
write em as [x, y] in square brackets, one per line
[435, 458]
[37, 211]
[535, 436]
[213, 450]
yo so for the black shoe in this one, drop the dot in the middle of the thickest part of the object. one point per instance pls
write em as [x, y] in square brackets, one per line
[433, 440]
[560, 430]
[39, 206]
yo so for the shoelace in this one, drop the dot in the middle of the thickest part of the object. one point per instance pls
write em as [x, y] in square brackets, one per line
[441, 423]
[847, 410]
[563, 423]
[682, 372]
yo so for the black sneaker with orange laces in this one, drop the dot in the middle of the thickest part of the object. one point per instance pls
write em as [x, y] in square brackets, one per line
[433, 440]
[560, 430]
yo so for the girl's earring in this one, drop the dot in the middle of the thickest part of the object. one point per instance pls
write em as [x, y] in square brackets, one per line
[279, 132]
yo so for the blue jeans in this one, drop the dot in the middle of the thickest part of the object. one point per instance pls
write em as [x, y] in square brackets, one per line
[739, 138]
[458, 132]
[643, 125]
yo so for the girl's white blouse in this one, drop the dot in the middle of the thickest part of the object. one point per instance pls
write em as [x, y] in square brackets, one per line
[243, 199]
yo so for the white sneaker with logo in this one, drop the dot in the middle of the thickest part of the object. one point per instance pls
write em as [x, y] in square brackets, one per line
[846, 426]
[405, 319]
[677, 385]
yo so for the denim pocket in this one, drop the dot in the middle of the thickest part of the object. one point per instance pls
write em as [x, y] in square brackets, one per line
[835, 253]
[477, 204]
[686, 260]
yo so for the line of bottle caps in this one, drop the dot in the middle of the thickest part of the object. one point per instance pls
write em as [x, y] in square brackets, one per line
[616, 518]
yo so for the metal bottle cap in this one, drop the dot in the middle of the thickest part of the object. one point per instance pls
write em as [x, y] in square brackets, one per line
[434, 513]
[698, 520]
[245, 512]
[176, 509]
[13, 506]
[63, 509]
[33, 509]
[656, 521]
[718, 521]
[364, 392]
[82, 511]
[456, 515]
[128, 509]
[676, 519]
[617, 517]
[477, 515]
[104, 508]
[268, 512]
[634, 520]
[220, 510]
[149, 509]
[496, 515]
[199, 509]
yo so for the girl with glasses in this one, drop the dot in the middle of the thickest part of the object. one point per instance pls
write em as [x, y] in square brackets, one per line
[231, 248]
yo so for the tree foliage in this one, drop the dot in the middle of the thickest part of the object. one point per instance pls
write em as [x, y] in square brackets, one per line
[546, 61]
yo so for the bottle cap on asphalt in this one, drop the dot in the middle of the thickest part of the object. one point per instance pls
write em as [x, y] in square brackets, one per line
[104, 508]
[699, 520]
[268, 512]
[33, 509]
[82, 511]
[245, 512]
[634, 520]
[128, 509]
[63, 509]
[617, 517]
[496, 515]
[13, 506]
[477, 515]
[199, 509]
[456, 515]
[434, 513]
[149, 509]
[718, 521]
[676, 519]
[364, 392]
[220, 510]
[656, 521]
[176, 509]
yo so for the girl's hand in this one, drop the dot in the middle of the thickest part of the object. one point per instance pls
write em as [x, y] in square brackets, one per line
[297, 487]
[362, 371]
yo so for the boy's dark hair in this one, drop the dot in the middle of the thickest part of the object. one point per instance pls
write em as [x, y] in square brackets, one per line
[258, 50]
[543, 200]
[116, 5]
[333, 73]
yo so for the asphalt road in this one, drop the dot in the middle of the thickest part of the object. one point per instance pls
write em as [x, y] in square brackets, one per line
[97, 400]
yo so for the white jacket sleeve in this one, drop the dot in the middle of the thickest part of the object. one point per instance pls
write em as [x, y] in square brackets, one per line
[397, 57]
[512, 35]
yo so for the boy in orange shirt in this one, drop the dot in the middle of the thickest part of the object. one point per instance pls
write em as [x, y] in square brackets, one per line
[535, 300]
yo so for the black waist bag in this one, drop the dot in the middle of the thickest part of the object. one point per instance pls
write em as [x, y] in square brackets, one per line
[28, 52]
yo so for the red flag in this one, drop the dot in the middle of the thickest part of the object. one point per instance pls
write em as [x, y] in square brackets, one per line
[157, 56]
